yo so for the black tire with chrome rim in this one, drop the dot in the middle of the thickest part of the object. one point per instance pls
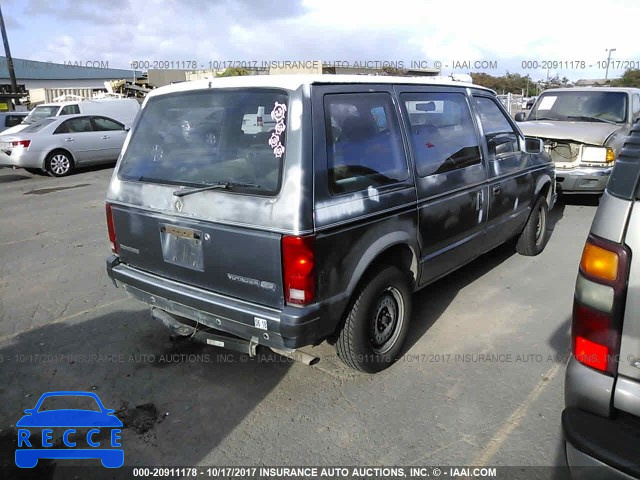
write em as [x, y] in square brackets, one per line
[59, 164]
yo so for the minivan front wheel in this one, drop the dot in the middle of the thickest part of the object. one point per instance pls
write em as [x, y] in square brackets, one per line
[377, 322]
[59, 164]
[535, 235]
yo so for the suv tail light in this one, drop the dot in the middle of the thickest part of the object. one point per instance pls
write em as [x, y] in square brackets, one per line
[298, 265]
[598, 304]
[112, 231]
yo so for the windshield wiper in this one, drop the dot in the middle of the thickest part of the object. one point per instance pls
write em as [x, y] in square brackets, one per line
[590, 119]
[543, 118]
[213, 186]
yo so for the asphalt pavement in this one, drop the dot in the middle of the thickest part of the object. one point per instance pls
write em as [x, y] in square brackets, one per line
[480, 382]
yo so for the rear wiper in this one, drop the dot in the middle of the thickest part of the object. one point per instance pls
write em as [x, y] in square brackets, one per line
[212, 186]
[590, 119]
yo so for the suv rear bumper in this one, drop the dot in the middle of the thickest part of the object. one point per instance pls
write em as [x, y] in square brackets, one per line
[287, 328]
[607, 446]
[582, 179]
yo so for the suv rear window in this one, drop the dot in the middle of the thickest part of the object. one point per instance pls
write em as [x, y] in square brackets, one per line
[199, 138]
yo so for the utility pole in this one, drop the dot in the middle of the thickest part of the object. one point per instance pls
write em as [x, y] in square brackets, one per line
[606, 74]
[7, 52]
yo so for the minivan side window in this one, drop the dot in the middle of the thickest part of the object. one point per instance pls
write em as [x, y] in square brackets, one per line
[443, 136]
[500, 135]
[70, 110]
[364, 143]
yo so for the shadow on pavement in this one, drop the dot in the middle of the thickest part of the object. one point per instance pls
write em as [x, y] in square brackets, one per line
[14, 177]
[586, 200]
[177, 399]
[432, 301]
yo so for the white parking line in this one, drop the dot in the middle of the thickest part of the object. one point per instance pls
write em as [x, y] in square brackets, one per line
[516, 417]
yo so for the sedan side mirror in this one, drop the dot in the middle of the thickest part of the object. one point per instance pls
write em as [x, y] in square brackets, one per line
[533, 145]
[520, 117]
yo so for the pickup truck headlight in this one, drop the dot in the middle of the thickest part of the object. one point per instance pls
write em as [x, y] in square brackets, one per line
[597, 155]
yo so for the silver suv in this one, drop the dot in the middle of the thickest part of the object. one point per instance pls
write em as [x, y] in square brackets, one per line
[601, 421]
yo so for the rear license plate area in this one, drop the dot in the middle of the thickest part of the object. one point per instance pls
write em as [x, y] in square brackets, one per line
[182, 246]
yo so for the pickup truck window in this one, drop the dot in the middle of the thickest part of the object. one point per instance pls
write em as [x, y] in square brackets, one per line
[582, 106]
[501, 137]
[70, 110]
[364, 145]
[441, 130]
[635, 107]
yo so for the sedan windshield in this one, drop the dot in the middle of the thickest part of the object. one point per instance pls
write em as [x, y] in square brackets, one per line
[593, 106]
[210, 137]
[41, 112]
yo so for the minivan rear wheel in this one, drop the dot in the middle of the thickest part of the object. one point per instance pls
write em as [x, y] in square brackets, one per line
[535, 235]
[59, 164]
[377, 321]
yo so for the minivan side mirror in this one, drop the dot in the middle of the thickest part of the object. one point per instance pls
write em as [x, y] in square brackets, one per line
[520, 117]
[533, 145]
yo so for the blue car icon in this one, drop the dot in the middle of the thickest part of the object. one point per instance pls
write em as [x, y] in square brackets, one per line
[34, 445]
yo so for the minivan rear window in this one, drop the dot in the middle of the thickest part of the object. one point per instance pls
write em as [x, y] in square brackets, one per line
[210, 136]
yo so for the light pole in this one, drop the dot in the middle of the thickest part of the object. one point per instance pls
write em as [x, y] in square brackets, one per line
[606, 73]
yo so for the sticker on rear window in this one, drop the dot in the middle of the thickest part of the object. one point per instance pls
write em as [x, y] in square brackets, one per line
[278, 114]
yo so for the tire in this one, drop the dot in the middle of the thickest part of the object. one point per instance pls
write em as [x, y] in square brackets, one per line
[59, 164]
[534, 236]
[377, 321]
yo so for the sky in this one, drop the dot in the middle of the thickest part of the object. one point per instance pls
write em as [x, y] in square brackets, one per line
[492, 36]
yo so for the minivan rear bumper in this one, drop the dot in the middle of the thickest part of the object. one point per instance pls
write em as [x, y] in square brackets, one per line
[288, 328]
[601, 447]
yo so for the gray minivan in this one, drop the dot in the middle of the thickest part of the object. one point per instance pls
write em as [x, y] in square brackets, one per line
[366, 189]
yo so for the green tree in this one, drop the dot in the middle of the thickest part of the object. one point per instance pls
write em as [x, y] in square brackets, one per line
[509, 83]
[631, 78]
[234, 72]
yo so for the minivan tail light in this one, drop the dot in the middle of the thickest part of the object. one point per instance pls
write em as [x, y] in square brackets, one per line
[112, 231]
[298, 265]
[598, 304]
[21, 143]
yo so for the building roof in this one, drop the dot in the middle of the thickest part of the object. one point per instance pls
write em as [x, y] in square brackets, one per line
[33, 70]
[293, 82]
